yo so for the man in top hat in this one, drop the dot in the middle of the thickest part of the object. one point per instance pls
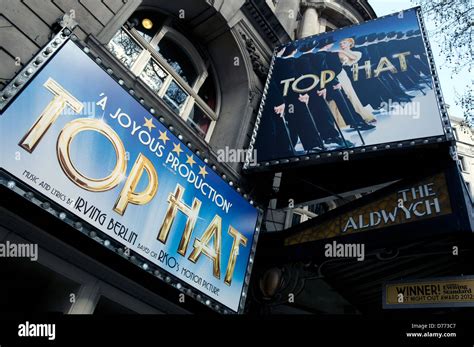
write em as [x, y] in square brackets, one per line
[293, 114]
[274, 138]
[309, 62]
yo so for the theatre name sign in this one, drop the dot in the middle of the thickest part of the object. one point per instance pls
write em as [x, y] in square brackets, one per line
[426, 199]
[78, 138]
[413, 203]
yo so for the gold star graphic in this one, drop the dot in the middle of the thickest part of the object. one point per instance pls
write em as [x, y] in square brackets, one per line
[149, 123]
[163, 136]
[177, 148]
[190, 160]
[202, 171]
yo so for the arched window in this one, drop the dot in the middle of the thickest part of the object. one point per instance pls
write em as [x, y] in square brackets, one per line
[169, 64]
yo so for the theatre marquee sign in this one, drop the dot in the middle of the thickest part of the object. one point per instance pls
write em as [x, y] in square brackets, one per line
[81, 140]
[353, 91]
[426, 199]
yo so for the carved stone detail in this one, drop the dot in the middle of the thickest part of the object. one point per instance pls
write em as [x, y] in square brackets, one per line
[260, 68]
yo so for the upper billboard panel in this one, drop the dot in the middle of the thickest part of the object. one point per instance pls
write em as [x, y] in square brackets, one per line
[77, 137]
[359, 86]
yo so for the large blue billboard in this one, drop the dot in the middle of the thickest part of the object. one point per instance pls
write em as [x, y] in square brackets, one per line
[354, 87]
[80, 139]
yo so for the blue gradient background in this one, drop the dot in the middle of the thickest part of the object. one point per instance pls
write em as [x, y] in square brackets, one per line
[93, 155]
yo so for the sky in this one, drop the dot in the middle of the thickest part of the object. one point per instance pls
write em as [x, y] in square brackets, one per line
[449, 82]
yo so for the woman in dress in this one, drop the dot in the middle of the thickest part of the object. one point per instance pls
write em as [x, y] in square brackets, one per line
[349, 58]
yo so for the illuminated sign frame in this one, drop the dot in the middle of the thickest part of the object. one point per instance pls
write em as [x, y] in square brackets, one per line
[63, 40]
[341, 154]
